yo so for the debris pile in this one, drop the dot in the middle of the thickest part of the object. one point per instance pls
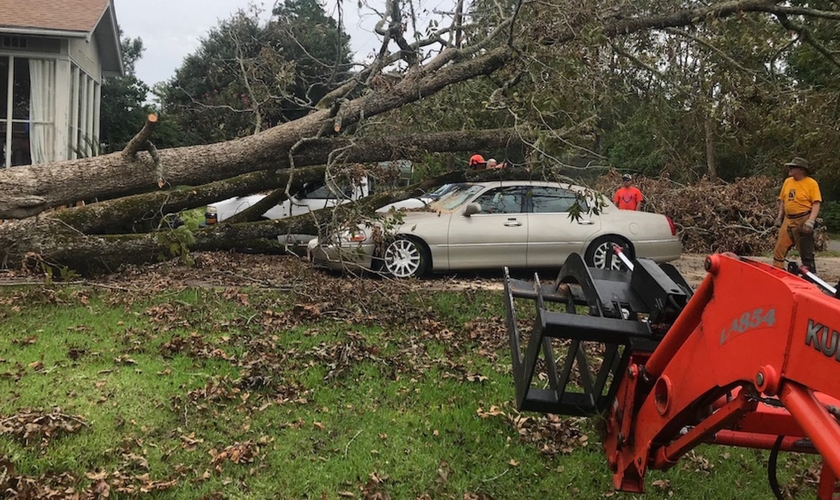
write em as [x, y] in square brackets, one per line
[715, 216]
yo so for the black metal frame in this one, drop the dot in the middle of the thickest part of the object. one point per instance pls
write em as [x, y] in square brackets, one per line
[615, 300]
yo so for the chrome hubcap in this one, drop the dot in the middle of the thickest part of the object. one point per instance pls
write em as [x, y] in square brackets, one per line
[402, 258]
[603, 254]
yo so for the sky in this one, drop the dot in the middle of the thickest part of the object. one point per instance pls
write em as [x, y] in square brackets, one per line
[172, 29]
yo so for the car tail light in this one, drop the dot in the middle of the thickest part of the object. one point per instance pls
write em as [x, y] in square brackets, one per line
[673, 227]
[211, 216]
[353, 236]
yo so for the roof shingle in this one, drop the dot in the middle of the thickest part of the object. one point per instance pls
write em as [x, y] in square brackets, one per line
[64, 15]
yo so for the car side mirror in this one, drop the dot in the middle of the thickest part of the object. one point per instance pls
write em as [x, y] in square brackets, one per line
[472, 208]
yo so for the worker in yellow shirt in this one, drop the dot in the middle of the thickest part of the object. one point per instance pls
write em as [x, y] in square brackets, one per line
[799, 205]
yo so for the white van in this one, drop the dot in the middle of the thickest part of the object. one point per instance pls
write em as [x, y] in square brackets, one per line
[313, 196]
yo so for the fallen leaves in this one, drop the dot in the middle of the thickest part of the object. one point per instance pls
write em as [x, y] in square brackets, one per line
[29, 426]
[189, 442]
[124, 359]
[25, 341]
[238, 453]
[552, 433]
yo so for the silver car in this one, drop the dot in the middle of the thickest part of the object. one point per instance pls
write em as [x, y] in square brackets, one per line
[483, 225]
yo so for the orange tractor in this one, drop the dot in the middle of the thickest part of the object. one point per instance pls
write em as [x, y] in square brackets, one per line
[750, 358]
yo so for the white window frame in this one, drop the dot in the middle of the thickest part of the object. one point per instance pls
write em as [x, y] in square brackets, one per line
[9, 119]
[85, 95]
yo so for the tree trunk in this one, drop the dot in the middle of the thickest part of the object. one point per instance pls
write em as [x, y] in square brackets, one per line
[708, 88]
[29, 190]
[132, 214]
[711, 161]
[48, 241]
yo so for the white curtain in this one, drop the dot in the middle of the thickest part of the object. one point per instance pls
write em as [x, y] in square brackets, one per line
[41, 110]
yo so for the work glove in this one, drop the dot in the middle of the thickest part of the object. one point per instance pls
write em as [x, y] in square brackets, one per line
[807, 228]
[778, 222]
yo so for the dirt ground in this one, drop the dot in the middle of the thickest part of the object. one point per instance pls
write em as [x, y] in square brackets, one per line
[691, 267]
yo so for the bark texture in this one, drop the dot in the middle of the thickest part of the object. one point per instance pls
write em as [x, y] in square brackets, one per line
[26, 191]
[50, 241]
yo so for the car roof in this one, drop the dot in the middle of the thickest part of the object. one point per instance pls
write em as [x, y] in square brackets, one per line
[535, 183]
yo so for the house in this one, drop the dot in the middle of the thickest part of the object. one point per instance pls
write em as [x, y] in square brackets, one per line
[54, 55]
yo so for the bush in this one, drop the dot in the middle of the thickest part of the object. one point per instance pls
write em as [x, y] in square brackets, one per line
[830, 214]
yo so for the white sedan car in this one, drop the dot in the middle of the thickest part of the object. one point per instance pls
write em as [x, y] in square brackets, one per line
[482, 225]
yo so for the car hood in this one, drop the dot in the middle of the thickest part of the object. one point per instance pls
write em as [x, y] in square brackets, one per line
[410, 204]
[422, 214]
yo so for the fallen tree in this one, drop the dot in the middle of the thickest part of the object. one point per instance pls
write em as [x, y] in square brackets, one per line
[51, 243]
[142, 183]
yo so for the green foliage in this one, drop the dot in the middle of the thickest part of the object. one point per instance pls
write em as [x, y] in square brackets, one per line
[806, 64]
[635, 146]
[177, 241]
[830, 214]
[249, 74]
[192, 218]
[123, 108]
[319, 48]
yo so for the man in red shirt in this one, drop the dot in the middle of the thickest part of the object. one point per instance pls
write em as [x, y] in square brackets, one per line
[628, 196]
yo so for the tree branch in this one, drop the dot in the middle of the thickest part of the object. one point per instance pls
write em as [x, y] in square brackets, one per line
[806, 35]
[139, 141]
[710, 46]
[635, 60]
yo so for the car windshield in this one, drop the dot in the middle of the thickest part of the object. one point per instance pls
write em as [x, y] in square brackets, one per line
[437, 193]
[459, 194]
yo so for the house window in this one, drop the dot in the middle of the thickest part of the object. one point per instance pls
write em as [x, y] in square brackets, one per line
[14, 42]
[27, 110]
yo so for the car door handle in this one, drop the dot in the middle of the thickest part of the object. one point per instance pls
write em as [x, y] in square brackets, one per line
[512, 223]
[584, 222]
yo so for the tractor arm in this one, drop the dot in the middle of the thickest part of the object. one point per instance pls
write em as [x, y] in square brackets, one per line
[751, 358]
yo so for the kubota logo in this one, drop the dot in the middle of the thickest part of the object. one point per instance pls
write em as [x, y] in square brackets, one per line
[823, 339]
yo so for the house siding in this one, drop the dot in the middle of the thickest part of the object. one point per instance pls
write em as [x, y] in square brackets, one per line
[86, 55]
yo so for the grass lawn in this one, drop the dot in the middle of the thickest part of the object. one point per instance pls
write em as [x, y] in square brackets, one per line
[322, 388]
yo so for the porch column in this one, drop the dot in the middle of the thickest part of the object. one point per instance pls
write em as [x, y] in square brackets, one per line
[63, 94]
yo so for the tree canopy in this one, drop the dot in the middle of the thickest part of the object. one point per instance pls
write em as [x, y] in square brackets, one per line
[248, 75]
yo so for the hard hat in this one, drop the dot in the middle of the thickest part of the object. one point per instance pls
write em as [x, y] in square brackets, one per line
[799, 162]
[476, 159]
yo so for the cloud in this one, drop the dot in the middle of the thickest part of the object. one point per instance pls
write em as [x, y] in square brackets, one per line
[171, 29]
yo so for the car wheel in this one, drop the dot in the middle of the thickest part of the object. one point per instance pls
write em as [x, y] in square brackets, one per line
[405, 258]
[600, 253]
